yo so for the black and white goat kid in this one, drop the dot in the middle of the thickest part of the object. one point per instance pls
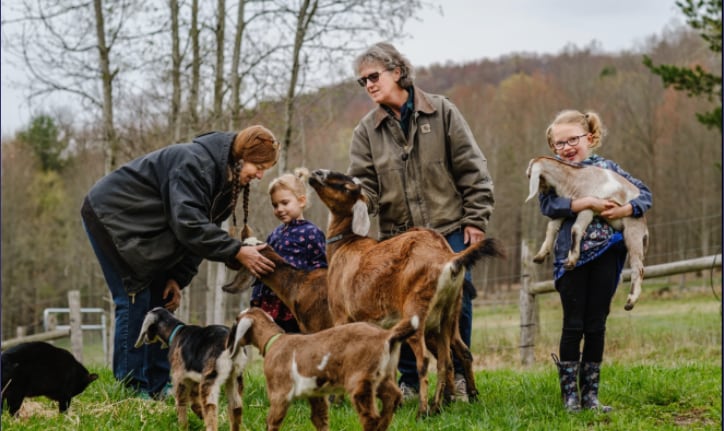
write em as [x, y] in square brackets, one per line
[200, 365]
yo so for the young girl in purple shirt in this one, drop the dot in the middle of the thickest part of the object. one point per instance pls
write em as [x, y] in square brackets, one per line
[300, 242]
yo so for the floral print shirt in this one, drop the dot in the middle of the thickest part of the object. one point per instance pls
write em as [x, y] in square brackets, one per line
[302, 244]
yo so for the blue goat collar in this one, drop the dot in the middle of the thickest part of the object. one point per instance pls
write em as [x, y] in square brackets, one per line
[173, 333]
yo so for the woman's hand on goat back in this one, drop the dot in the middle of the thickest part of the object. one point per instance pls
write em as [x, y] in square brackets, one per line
[173, 289]
[254, 261]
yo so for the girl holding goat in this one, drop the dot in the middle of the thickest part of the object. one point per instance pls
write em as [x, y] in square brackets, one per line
[587, 289]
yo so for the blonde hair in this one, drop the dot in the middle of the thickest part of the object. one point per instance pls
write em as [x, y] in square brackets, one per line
[295, 183]
[590, 121]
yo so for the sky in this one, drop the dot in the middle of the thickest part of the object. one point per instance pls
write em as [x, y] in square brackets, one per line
[470, 30]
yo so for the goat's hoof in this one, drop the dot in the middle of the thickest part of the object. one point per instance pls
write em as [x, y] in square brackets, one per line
[539, 259]
[628, 306]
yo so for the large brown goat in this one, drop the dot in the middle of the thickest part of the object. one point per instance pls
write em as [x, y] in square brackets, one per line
[414, 273]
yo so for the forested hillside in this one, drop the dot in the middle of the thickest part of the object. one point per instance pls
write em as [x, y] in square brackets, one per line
[652, 132]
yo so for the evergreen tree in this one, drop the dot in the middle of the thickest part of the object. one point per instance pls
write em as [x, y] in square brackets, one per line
[43, 137]
[704, 16]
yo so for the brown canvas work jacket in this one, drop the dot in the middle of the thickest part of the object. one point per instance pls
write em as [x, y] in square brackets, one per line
[437, 177]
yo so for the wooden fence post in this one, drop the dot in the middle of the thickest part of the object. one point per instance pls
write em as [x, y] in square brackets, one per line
[528, 309]
[76, 332]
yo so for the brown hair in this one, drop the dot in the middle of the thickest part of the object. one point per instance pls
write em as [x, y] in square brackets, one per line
[590, 121]
[386, 55]
[254, 144]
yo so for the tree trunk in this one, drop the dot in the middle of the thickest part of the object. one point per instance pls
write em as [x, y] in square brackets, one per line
[219, 75]
[195, 66]
[174, 123]
[109, 133]
[236, 59]
[304, 18]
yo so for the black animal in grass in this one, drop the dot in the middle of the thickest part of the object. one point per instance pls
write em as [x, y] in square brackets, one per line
[38, 368]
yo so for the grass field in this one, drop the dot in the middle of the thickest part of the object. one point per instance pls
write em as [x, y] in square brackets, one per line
[662, 371]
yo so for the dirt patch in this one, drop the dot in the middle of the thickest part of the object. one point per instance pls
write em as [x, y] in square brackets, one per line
[31, 408]
[692, 417]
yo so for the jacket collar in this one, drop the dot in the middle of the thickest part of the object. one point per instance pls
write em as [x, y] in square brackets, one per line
[422, 104]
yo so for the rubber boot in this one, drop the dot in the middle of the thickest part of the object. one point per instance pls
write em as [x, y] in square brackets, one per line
[590, 374]
[567, 374]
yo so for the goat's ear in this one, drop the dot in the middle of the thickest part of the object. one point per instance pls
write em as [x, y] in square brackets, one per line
[360, 218]
[534, 181]
[241, 282]
[143, 337]
[240, 328]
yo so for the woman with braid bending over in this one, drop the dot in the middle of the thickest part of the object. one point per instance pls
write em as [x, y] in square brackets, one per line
[153, 220]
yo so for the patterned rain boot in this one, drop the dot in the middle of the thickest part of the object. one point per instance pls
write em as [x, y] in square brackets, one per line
[567, 374]
[589, 377]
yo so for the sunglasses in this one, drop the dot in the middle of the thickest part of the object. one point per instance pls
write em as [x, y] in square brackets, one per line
[372, 77]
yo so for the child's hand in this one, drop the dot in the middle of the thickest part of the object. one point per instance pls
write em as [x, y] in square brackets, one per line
[590, 203]
[616, 211]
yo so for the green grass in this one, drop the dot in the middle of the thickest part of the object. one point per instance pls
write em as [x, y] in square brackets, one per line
[662, 371]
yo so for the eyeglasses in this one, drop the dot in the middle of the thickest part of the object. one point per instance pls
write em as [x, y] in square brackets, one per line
[572, 142]
[372, 77]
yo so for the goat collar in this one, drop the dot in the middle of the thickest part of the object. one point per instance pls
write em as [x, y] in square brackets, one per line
[338, 237]
[173, 333]
[269, 342]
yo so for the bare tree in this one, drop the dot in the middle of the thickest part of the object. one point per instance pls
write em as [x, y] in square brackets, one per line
[195, 64]
[76, 47]
[325, 33]
[174, 123]
[236, 58]
[219, 72]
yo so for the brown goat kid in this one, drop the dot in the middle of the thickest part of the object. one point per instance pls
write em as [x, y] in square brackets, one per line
[414, 273]
[304, 292]
[359, 359]
[577, 181]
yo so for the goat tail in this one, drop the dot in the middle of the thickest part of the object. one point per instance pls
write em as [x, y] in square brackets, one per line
[490, 247]
[404, 330]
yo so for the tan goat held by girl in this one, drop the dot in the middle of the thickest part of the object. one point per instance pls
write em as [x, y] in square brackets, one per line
[577, 181]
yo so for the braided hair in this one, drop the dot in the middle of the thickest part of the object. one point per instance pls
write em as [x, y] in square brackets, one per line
[254, 144]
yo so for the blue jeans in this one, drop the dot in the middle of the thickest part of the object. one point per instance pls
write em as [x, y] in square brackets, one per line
[407, 365]
[145, 369]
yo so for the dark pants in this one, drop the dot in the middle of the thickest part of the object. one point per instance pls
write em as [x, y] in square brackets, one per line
[145, 369]
[586, 293]
[407, 365]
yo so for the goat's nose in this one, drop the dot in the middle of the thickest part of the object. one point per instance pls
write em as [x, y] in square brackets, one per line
[320, 173]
